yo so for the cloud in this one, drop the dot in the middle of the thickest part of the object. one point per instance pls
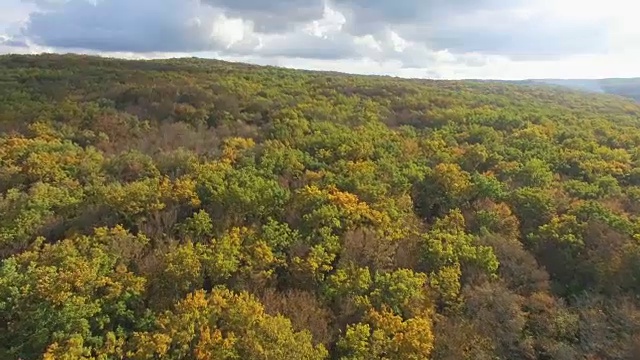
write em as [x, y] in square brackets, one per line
[536, 36]
[434, 37]
[7, 41]
[137, 26]
[13, 13]
[403, 12]
[229, 27]
[272, 16]
[517, 28]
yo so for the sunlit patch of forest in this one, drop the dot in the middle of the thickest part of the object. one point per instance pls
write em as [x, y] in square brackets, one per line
[198, 209]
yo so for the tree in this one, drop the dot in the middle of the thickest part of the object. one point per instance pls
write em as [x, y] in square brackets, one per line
[384, 335]
[78, 295]
[444, 188]
[533, 207]
[447, 246]
[223, 325]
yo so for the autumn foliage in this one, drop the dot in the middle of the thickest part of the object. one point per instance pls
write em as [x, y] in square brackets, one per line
[192, 209]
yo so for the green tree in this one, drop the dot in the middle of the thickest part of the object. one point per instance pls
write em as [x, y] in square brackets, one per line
[77, 294]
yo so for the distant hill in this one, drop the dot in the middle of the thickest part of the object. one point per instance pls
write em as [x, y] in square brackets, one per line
[623, 87]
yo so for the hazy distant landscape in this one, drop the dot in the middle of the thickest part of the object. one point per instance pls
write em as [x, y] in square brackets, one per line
[628, 87]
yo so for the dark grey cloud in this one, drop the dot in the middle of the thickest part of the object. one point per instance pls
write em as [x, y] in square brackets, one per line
[125, 25]
[13, 42]
[275, 15]
[118, 25]
[412, 11]
[372, 15]
[311, 47]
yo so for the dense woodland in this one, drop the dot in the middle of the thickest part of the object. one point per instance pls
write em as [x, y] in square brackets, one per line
[197, 209]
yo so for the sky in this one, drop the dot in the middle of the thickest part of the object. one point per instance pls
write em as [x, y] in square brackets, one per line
[440, 39]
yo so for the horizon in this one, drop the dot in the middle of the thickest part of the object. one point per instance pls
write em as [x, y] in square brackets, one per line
[434, 39]
[130, 58]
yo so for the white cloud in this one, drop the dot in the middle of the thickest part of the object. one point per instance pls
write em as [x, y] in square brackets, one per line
[399, 44]
[332, 21]
[368, 42]
[230, 31]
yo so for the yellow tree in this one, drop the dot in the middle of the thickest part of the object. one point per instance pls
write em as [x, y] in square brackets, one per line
[384, 335]
[223, 325]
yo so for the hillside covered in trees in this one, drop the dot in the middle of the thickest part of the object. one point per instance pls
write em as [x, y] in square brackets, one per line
[196, 209]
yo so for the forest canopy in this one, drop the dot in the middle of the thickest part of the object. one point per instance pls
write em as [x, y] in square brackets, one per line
[199, 209]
